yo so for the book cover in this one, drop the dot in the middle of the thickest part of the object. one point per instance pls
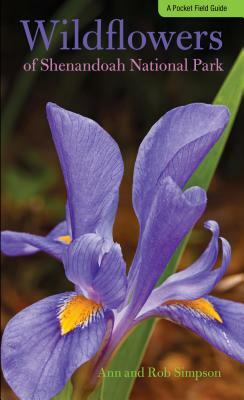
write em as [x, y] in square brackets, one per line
[122, 200]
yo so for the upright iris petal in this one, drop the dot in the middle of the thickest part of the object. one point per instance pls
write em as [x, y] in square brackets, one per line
[173, 213]
[197, 280]
[174, 147]
[92, 168]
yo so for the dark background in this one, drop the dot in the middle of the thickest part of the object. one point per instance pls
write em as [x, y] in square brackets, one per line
[126, 105]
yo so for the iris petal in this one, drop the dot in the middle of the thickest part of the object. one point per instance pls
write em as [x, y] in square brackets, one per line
[77, 311]
[37, 360]
[97, 268]
[197, 280]
[221, 323]
[20, 243]
[173, 213]
[82, 259]
[174, 147]
[92, 168]
[110, 281]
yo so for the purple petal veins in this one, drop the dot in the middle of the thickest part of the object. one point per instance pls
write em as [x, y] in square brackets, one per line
[173, 213]
[197, 280]
[36, 359]
[92, 166]
[226, 335]
[17, 243]
[174, 147]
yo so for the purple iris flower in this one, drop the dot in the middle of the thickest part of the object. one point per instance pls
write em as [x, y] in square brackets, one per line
[45, 343]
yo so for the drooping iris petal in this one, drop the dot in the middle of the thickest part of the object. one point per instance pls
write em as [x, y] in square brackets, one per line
[20, 243]
[197, 280]
[92, 168]
[174, 147]
[97, 268]
[172, 214]
[45, 343]
[110, 281]
[220, 322]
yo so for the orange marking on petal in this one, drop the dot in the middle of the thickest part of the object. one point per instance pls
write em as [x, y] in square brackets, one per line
[66, 239]
[201, 305]
[76, 311]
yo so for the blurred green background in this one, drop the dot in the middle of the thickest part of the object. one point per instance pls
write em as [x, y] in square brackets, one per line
[126, 105]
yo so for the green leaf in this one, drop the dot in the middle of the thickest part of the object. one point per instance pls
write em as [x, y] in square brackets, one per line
[20, 177]
[131, 352]
[66, 393]
[129, 357]
[97, 394]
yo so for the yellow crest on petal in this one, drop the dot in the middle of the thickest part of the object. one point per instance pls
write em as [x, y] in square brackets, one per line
[65, 239]
[76, 311]
[203, 306]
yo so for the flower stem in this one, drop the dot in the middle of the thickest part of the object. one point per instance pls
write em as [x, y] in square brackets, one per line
[119, 335]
